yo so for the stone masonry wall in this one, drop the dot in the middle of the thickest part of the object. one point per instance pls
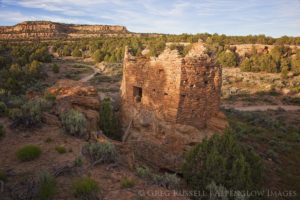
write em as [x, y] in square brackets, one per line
[170, 103]
[200, 91]
[179, 90]
[159, 79]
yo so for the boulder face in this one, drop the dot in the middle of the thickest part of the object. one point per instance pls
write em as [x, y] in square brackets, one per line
[169, 103]
[79, 96]
[47, 29]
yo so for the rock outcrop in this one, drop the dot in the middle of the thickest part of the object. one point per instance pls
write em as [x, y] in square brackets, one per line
[76, 95]
[169, 103]
[47, 29]
[246, 49]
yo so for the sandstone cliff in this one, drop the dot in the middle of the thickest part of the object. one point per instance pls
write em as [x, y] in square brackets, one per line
[245, 49]
[47, 30]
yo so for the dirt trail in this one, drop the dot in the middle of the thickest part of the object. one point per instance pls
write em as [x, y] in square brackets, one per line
[264, 107]
[88, 77]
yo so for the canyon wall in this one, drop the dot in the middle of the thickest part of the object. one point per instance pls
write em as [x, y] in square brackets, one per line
[49, 30]
[170, 103]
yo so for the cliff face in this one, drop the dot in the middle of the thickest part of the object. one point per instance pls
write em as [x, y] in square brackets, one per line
[245, 49]
[47, 30]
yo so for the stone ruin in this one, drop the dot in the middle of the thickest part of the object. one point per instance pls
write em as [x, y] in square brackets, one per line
[169, 103]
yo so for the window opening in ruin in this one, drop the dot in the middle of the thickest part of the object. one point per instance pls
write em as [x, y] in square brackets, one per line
[137, 94]
[205, 82]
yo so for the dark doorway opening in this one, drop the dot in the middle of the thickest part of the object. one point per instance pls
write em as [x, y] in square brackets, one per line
[137, 94]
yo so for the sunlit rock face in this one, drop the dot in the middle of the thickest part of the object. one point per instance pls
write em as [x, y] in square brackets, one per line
[79, 96]
[47, 29]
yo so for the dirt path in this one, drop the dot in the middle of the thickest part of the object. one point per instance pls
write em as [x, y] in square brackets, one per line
[88, 77]
[265, 107]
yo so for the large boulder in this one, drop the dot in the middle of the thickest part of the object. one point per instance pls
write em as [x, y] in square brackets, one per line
[79, 96]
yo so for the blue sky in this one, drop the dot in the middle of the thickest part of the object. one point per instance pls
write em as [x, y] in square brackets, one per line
[231, 17]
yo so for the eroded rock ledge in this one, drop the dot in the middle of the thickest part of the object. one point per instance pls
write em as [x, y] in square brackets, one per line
[50, 30]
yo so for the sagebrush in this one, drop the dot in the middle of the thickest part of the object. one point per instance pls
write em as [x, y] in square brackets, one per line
[74, 123]
[100, 150]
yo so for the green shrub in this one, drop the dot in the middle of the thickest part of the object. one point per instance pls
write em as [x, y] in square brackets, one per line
[273, 155]
[47, 186]
[157, 179]
[28, 153]
[74, 122]
[182, 50]
[2, 131]
[246, 65]
[55, 68]
[50, 97]
[3, 176]
[266, 63]
[60, 149]
[3, 108]
[227, 59]
[98, 56]
[14, 113]
[32, 112]
[127, 183]
[76, 53]
[284, 72]
[85, 188]
[16, 101]
[296, 62]
[142, 172]
[34, 69]
[171, 181]
[217, 192]
[108, 122]
[222, 160]
[78, 161]
[48, 140]
[100, 150]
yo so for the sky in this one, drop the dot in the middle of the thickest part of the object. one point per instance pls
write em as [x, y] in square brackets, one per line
[231, 17]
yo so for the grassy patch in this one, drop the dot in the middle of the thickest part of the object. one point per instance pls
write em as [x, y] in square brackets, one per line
[60, 149]
[127, 183]
[85, 187]
[3, 176]
[47, 186]
[2, 131]
[48, 140]
[142, 172]
[73, 75]
[100, 150]
[78, 161]
[291, 100]
[29, 153]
